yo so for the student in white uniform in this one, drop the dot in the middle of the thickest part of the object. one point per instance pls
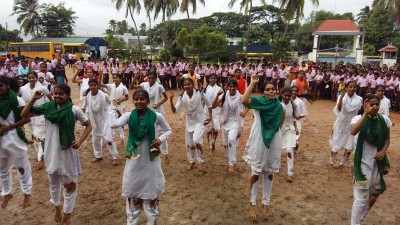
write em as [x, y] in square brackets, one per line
[384, 106]
[232, 122]
[370, 160]
[96, 107]
[192, 101]
[62, 156]
[214, 126]
[13, 149]
[37, 123]
[143, 181]
[264, 146]
[346, 108]
[118, 95]
[289, 130]
[156, 90]
[84, 82]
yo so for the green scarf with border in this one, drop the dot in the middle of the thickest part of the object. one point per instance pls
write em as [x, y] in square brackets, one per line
[61, 115]
[10, 103]
[374, 131]
[138, 132]
[271, 114]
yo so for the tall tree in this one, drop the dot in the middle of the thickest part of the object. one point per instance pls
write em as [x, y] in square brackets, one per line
[391, 5]
[167, 8]
[246, 5]
[185, 5]
[57, 21]
[130, 7]
[142, 30]
[122, 27]
[27, 12]
[363, 16]
[113, 25]
[293, 9]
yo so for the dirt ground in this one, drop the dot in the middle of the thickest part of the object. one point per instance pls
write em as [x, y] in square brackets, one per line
[319, 194]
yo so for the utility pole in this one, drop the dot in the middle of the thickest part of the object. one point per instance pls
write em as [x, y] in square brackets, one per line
[6, 37]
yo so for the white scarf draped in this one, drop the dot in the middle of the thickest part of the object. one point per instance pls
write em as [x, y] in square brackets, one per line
[84, 87]
[211, 92]
[350, 106]
[232, 103]
[27, 93]
[118, 92]
[97, 104]
[192, 105]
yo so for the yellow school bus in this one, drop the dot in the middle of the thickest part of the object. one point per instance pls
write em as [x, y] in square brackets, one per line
[37, 49]
[80, 50]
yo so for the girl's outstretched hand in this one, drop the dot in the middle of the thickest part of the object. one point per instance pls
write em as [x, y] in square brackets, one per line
[255, 79]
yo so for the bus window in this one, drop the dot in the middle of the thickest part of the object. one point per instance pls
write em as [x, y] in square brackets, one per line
[57, 48]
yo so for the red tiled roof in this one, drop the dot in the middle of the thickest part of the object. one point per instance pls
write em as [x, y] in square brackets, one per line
[388, 48]
[337, 25]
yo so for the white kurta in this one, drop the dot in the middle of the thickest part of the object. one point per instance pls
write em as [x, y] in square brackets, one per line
[143, 178]
[10, 141]
[341, 137]
[288, 130]
[119, 91]
[96, 107]
[155, 91]
[261, 158]
[63, 162]
[368, 164]
[84, 87]
[211, 93]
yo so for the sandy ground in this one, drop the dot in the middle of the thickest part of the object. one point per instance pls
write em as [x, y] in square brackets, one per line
[319, 194]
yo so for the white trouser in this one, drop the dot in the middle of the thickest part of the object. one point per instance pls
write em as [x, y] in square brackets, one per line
[229, 140]
[38, 145]
[164, 144]
[121, 133]
[360, 206]
[98, 146]
[299, 123]
[267, 187]
[55, 183]
[133, 212]
[290, 161]
[192, 139]
[22, 165]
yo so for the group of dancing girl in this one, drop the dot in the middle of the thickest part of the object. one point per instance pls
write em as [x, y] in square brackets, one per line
[362, 127]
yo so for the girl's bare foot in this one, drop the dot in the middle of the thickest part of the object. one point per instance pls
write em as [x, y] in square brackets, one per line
[115, 162]
[5, 200]
[27, 201]
[201, 168]
[66, 219]
[265, 211]
[253, 213]
[97, 159]
[231, 169]
[190, 167]
[57, 217]
[166, 158]
[40, 165]
[212, 152]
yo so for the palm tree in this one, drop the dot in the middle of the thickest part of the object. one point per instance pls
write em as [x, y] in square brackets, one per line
[363, 16]
[131, 6]
[148, 11]
[293, 9]
[246, 5]
[167, 8]
[113, 25]
[28, 15]
[185, 4]
[389, 4]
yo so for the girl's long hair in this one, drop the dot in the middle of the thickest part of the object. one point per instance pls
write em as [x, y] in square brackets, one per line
[367, 97]
[310, 98]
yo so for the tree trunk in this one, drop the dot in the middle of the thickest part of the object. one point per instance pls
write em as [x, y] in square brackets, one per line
[248, 29]
[151, 47]
[137, 32]
[191, 35]
[165, 36]
[286, 28]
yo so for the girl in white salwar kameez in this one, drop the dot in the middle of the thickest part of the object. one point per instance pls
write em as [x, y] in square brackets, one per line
[214, 126]
[96, 106]
[118, 95]
[143, 181]
[289, 130]
[62, 156]
[264, 147]
[155, 91]
[232, 122]
[84, 82]
[300, 111]
[37, 123]
[13, 149]
[192, 101]
[370, 160]
[346, 108]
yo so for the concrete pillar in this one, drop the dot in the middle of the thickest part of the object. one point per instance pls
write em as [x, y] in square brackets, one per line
[357, 49]
[315, 49]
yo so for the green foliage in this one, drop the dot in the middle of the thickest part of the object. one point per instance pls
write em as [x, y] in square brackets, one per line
[281, 46]
[177, 53]
[57, 21]
[379, 28]
[8, 36]
[183, 38]
[28, 16]
[114, 42]
[369, 49]
[232, 24]
[259, 36]
[222, 56]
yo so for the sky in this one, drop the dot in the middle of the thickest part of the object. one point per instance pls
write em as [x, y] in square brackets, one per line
[94, 15]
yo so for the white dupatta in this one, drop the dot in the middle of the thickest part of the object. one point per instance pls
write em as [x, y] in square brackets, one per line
[350, 106]
[97, 106]
[233, 103]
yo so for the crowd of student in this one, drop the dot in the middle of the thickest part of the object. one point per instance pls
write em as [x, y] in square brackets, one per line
[214, 98]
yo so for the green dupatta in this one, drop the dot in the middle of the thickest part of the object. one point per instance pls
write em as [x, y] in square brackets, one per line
[10, 103]
[61, 115]
[375, 132]
[271, 113]
[138, 132]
